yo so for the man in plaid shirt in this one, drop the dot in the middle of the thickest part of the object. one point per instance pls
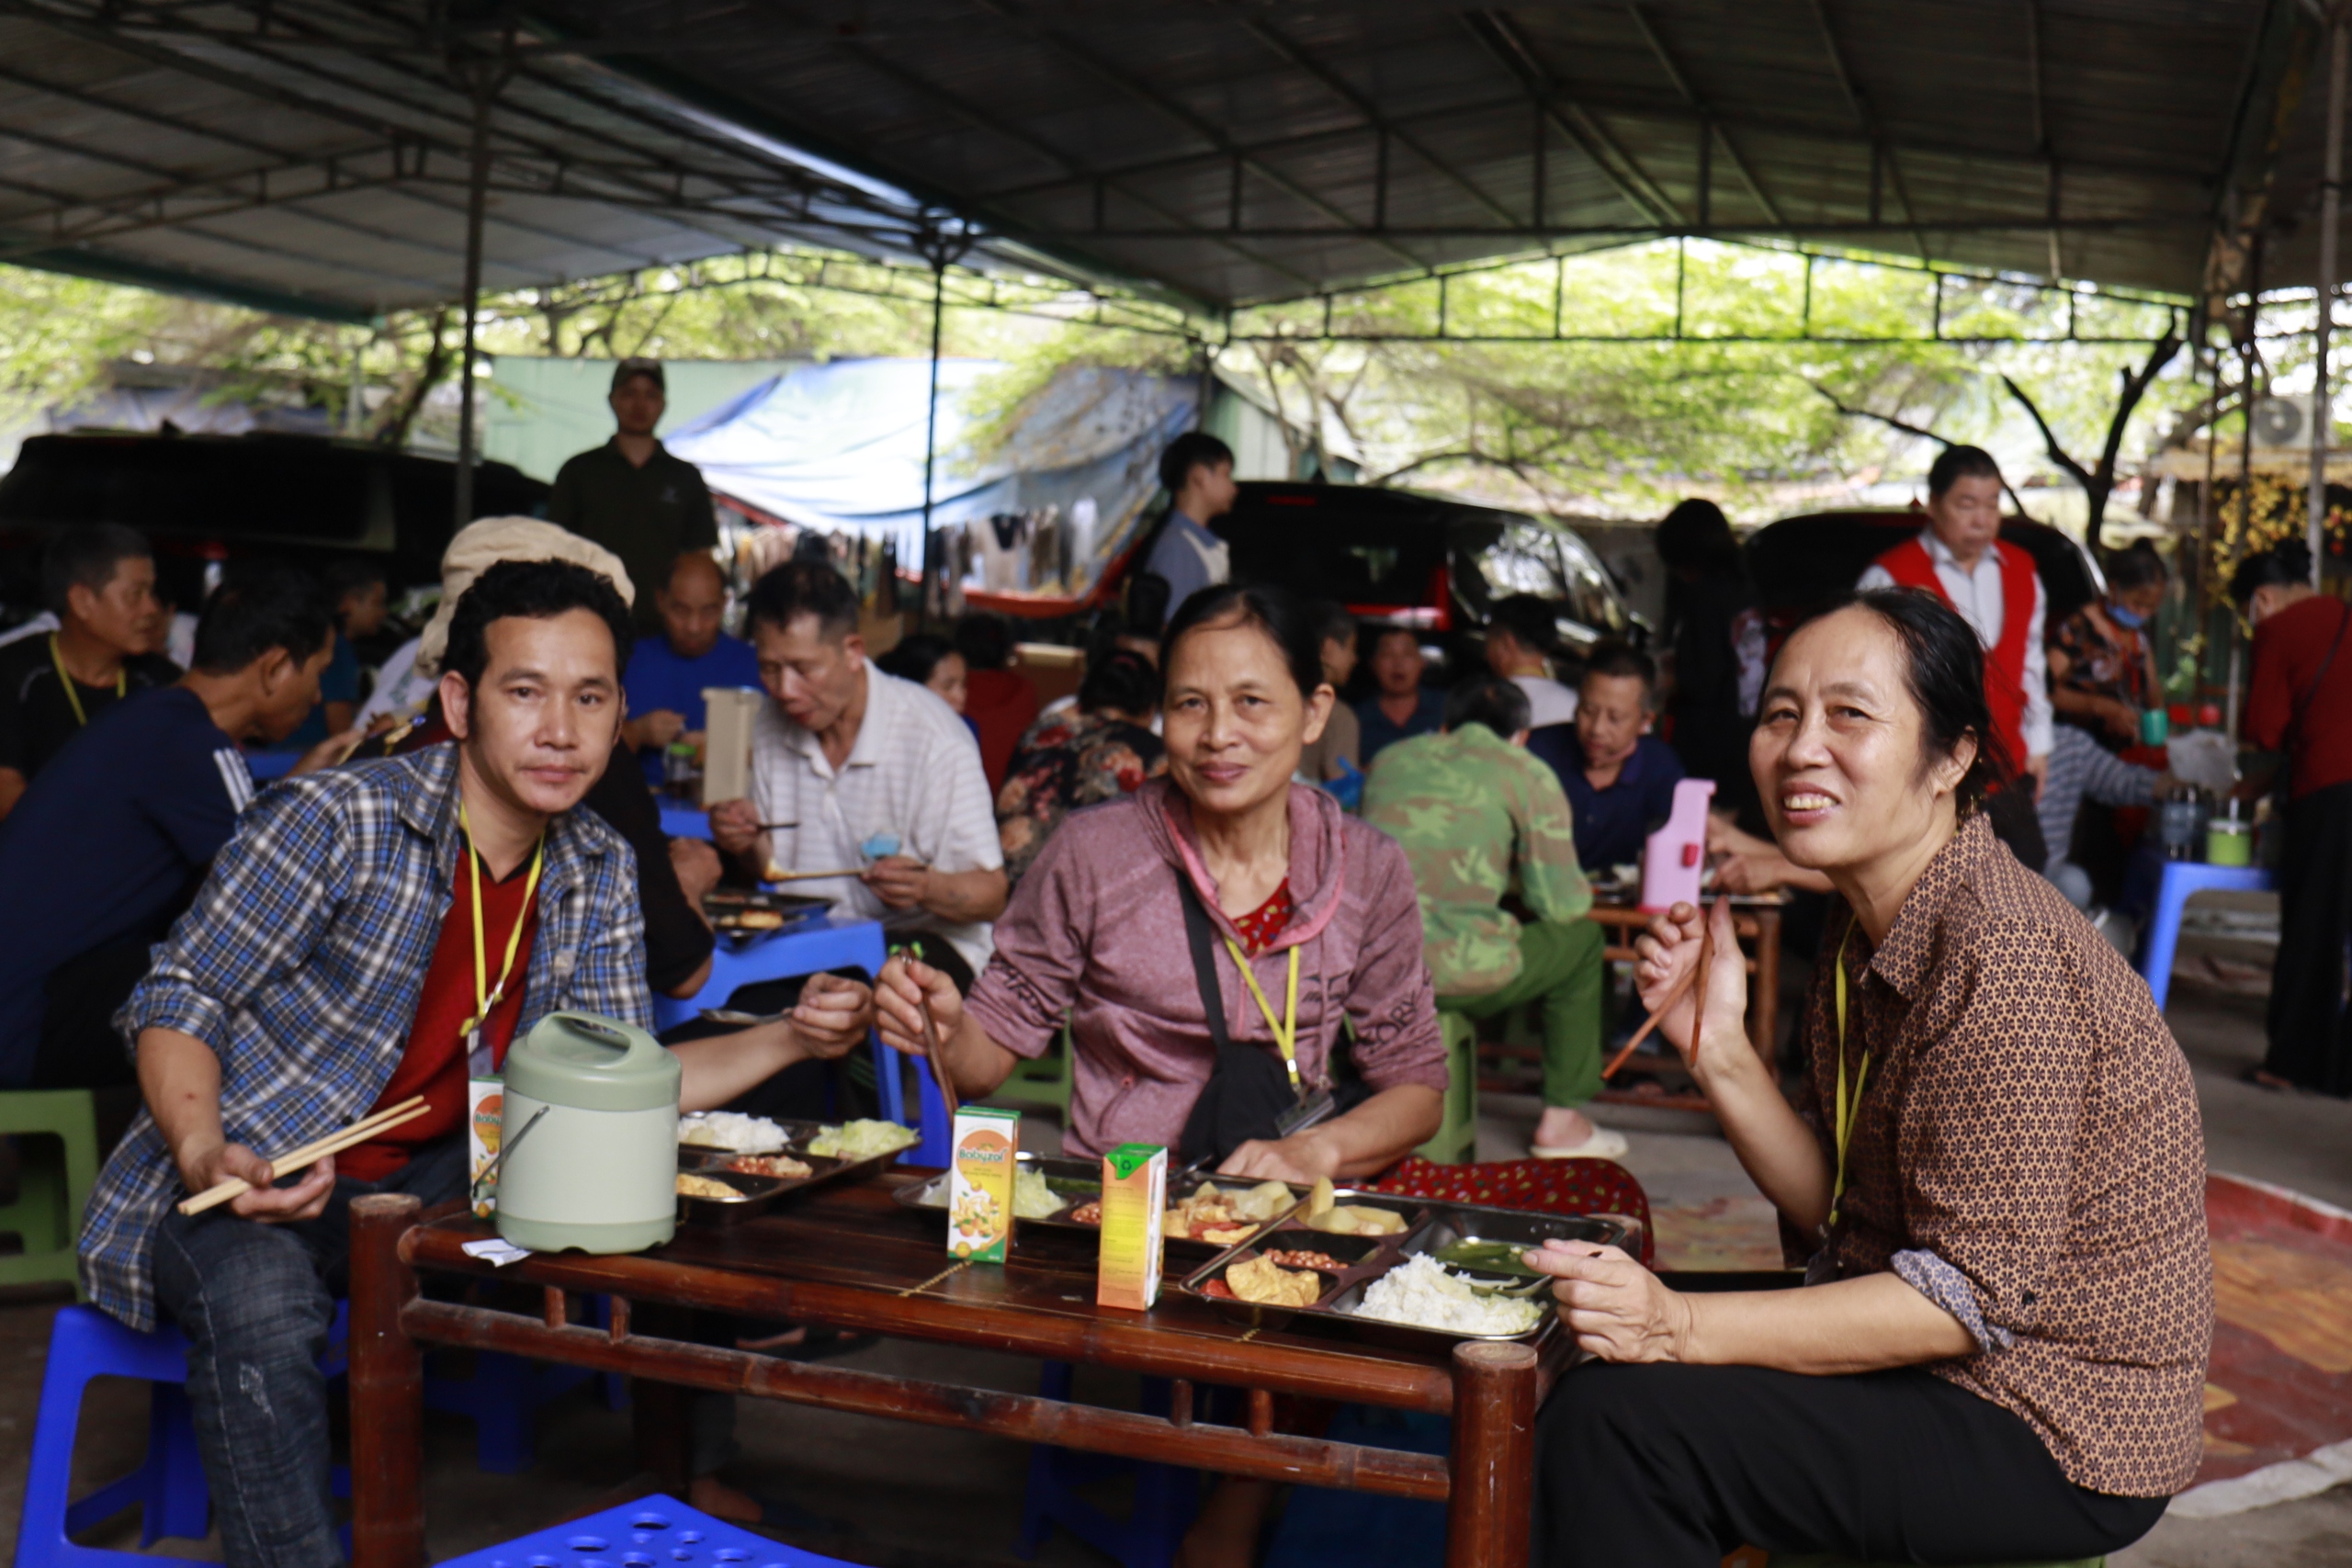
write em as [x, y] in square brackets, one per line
[328, 967]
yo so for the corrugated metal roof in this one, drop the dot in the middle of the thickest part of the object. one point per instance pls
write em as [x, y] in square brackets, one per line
[313, 152]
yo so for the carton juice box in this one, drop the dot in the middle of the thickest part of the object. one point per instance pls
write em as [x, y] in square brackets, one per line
[485, 1103]
[1135, 1195]
[984, 1159]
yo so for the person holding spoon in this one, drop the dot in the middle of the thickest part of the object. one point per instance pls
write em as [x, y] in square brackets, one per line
[2000, 1351]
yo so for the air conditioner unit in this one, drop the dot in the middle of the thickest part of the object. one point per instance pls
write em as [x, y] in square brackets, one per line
[2283, 421]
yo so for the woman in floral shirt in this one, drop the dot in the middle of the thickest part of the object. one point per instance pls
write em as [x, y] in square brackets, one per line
[1067, 759]
[2102, 665]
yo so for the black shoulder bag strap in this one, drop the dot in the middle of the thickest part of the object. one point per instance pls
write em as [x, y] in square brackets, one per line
[1248, 1089]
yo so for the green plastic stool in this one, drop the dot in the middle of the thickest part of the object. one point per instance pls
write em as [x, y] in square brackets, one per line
[1042, 1084]
[57, 1158]
[1457, 1135]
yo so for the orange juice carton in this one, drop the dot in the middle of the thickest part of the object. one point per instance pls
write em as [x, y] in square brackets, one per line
[485, 1103]
[1134, 1194]
[986, 1155]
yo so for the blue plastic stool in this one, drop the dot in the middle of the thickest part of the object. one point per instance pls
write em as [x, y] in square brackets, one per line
[652, 1532]
[168, 1486]
[2182, 878]
[503, 1396]
[811, 948]
[684, 822]
[1165, 1499]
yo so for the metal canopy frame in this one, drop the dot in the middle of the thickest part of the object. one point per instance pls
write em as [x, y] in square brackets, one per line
[338, 134]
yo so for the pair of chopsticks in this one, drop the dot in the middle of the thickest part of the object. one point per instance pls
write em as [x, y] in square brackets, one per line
[1697, 975]
[310, 1154]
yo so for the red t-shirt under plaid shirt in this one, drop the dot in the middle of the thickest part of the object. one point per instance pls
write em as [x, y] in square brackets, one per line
[434, 1065]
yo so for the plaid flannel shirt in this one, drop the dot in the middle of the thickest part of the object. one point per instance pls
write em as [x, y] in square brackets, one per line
[302, 961]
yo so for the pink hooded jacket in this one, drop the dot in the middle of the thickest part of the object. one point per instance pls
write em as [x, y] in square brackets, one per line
[1096, 929]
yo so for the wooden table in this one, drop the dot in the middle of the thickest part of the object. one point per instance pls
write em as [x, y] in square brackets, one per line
[850, 1258]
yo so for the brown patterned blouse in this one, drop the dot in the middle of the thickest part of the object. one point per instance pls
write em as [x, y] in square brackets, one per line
[2029, 1155]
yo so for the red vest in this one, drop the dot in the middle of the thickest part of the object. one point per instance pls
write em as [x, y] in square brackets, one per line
[1911, 566]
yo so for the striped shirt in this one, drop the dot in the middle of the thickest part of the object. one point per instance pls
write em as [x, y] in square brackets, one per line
[302, 959]
[2080, 769]
[912, 775]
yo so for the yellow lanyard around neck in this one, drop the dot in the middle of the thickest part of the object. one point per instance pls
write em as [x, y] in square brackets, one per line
[486, 996]
[73, 687]
[1849, 1113]
[1286, 1032]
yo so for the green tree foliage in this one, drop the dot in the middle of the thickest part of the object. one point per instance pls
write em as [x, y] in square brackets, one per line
[1786, 379]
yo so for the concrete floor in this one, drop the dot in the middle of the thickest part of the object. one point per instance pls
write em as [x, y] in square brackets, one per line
[914, 1497]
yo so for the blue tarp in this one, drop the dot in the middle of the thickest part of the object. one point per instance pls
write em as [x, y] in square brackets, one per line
[839, 447]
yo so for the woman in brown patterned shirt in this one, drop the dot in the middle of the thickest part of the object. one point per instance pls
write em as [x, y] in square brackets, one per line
[2000, 1354]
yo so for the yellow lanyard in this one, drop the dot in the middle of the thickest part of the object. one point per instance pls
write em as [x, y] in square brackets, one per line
[1286, 1032]
[1849, 1113]
[486, 996]
[73, 687]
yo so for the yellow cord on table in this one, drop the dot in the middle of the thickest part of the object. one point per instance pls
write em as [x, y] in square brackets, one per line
[486, 996]
[1286, 1032]
[1848, 1113]
[74, 688]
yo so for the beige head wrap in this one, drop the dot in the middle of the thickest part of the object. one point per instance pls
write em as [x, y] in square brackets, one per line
[482, 543]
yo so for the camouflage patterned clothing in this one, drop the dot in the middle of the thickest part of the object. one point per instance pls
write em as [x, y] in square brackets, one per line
[1478, 818]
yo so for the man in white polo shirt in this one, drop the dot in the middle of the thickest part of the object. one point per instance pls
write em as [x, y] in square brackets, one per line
[859, 771]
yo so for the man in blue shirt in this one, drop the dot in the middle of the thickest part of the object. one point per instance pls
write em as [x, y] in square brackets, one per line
[1197, 469]
[667, 674]
[1402, 706]
[1619, 777]
[118, 831]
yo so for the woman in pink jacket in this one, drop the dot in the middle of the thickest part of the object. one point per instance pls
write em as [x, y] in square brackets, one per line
[1311, 922]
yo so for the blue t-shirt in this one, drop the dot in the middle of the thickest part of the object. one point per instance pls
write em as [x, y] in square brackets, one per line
[106, 846]
[658, 678]
[1429, 717]
[1612, 825]
[338, 682]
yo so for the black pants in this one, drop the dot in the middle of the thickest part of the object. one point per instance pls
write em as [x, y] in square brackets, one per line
[2310, 1035]
[78, 1047]
[1674, 1466]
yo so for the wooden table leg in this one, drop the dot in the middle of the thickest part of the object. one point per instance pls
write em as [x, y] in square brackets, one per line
[1765, 1016]
[661, 1414]
[387, 1390]
[1488, 1514]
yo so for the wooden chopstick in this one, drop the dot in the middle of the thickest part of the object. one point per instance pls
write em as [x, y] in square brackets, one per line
[1697, 975]
[779, 875]
[930, 1050]
[310, 1154]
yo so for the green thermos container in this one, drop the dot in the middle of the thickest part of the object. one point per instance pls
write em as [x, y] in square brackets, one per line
[590, 1131]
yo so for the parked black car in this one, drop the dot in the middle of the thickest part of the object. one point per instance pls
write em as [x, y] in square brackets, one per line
[1402, 557]
[212, 498]
[1801, 563]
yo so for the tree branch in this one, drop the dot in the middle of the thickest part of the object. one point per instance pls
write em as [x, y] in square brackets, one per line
[1907, 428]
[2058, 454]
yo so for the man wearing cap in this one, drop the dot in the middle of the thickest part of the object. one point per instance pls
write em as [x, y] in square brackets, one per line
[630, 495]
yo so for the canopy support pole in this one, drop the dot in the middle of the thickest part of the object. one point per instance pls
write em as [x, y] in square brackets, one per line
[941, 250]
[931, 444]
[2330, 211]
[488, 77]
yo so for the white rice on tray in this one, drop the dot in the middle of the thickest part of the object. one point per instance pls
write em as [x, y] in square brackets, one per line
[1421, 1292]
[731, 1130]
